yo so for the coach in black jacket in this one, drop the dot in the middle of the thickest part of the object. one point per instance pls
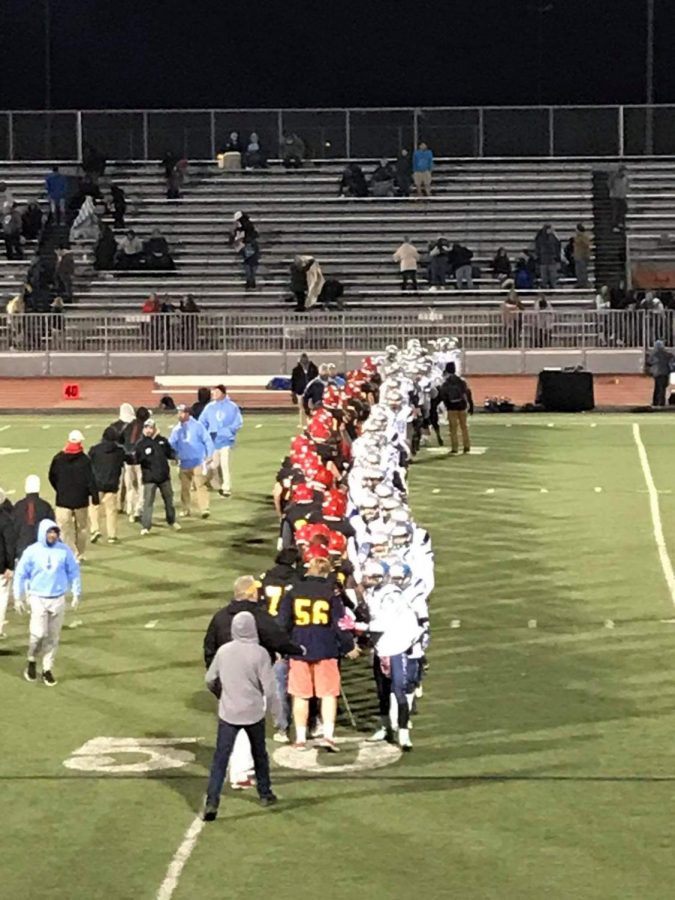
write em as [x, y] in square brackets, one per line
[107, 461]
[152, 453]
[27, 515]
[72, 477]
[270, 635]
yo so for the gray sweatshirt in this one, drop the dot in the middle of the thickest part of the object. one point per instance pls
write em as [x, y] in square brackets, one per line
[248, 687]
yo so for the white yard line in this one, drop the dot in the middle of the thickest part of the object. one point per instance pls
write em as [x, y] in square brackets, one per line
[181, 856]
[657, 526]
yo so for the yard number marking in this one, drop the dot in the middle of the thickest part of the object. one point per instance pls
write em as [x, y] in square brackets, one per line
[100, 755]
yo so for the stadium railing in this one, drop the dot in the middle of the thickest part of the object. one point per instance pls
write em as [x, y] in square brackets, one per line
[519, 131]
[340, 332]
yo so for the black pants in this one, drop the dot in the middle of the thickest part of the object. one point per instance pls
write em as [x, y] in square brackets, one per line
[409, 278]
[300, 297]
[149, 491]
[660, 387]
[227, 734]
[13, 246]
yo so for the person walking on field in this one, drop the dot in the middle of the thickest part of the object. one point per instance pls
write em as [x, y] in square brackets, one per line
[222, 419]
[304, 372]
[454, 393]
[7, 555]
[28, 513]
[407, 256]
[72, 477]
[194, 450]
[133, 483]
[153, 453]
[45, 573]
[241, 676]
[107, 461]
[660, 363]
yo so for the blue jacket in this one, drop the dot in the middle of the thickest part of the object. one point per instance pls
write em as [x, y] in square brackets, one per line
[191, 443]
[56, 185]
[48, 571]
[423, 161]
[222, 419]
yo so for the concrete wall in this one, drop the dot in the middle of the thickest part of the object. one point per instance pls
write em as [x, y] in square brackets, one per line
[130, 365]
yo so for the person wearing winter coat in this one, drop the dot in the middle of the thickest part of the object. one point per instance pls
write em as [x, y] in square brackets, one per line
[547, 250]
[45, 573]
[72, 477]
[222, 419]
[501, 265]
[301, 375]
[31, 221]
[28, 513]
[133, 485]
[407, 256]
[153, 453]
[353, 182]
[460, 264]
[439, 253]
[581, 249]
[307, 281]
[242, 678]
[404, 175]
[11, 232]
[203, 399]
[194, 450]
[107, 461]
[7, 554]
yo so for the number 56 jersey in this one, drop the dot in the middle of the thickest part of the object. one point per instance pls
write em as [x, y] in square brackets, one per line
[311, 612]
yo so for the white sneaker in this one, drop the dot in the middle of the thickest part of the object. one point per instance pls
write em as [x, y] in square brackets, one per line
[419, 691]
[177, 526]
[145, 531]
[184, 514]
[379, 735]
[404, 741]
[281, 736]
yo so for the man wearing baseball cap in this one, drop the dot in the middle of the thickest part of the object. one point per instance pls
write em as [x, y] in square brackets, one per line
[193, 447]
[72, 477]
[222, 419]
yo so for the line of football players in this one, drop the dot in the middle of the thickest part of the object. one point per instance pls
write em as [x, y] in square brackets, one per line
[342, 496]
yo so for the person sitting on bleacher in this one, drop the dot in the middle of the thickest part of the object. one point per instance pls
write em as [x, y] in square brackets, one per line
[130, 253]
[439, 251]
[501, 265]
[382, 180]
[292, 151]
[157, 255]
[353, 182]
[86, 226]
[105, 250]
[31, 221]
[254, 158]
[460, 264]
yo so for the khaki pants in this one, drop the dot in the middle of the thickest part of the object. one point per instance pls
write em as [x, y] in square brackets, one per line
[108, 503]
[221, 469]
[422, 182]
[133, 483]
[195, 476]
[73, 524]
[457, 419]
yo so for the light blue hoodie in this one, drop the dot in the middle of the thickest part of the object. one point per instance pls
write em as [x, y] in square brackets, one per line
[222, 419]
[47, 571]
[192, 443]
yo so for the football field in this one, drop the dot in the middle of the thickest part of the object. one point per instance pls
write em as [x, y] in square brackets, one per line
[543, 761]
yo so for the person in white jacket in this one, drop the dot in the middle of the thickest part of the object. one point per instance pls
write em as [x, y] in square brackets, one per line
[407, 256]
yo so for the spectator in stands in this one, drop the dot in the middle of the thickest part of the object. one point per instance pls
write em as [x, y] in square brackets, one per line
[176, 179]
[86, 225]
[254, 158]
[189, 324]
[501, 265]
[152, 304]
[156, 251]
[130, 253]
[332, 293]
[407, 256]
[423, 164]
[31, 221]
[353, 182]
[512, 308]
[618, 197]
[382, 180]
[119, 202]
[304, 372]
[404, 173]
[547, 250]
[582, 255]
[11, 232]
[57, 186]
[306, 281]
[439, 259]
[64, 273]
[168, 163]
[525, 271]
[244, 239]
[15, 310]
[234, 144]
[106, 250]
[543, 321]
[660, 361]
[6, 197]
[292, 150]
[93, 163]
[460, 264]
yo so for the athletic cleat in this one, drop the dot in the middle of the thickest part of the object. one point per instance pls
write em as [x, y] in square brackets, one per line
[177, 526]
[184, 514]
[210, 813]
[145, 531]
[419, 691]
[382, 734]
[281, 736]
[96, 537]
[48, 679]
[225, 493]
[404, 741]
[269, 800]
[300, 745]
[329, 746]
[205, 515]
[243, 785]
[113, 540]
[30, 672]
[133, 518]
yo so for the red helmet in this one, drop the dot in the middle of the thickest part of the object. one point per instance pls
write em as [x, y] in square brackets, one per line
[302, 534]
[323, 477]
[319, 533]
[324, 417]
[333, 509]
[331, 397]
[319, 430]
[368, 366]
[337, 495]
[315, 551]
[302, 493]
[300, 443]
[309, 462]
[352, 392]
[337, 543]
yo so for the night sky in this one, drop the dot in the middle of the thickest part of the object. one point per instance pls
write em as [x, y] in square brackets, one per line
[163, 53]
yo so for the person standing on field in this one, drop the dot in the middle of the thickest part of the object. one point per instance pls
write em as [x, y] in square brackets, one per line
[454, 393]
[241, 676]
[72, 477]
[194, 449]
[46, 571]
[7, 555]
[28, 513]
[107, 461]
[133, 484]
[222, 419]
[153, 453]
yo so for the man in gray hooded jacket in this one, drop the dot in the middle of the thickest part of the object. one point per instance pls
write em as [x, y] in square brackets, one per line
[242, 670]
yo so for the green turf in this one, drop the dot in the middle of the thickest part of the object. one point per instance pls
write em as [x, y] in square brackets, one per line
[542, 764]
